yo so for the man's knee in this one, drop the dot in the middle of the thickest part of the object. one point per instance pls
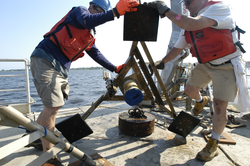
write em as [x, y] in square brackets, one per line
[51, 110]
[191, 89]
[220, 108]
[186, 91]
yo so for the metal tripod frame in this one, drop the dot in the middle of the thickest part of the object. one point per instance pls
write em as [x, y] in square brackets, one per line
[148, 85]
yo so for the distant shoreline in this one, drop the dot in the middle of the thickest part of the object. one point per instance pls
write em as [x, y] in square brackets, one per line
[80, 68]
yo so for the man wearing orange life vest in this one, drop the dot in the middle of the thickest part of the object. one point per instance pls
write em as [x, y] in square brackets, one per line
[64, 43]
[210, 35]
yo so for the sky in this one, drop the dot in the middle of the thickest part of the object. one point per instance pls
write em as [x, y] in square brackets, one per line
[24, 22]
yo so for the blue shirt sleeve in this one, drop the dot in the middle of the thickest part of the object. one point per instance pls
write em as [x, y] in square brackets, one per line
[82, 16]
[83, 19]
[97, 56]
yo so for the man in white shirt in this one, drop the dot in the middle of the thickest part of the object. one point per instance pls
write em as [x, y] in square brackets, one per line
[209, 34]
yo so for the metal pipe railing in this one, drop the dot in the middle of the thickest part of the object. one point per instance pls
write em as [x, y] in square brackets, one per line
[26, 75]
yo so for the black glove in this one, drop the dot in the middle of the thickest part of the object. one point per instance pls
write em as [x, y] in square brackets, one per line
[158, 5]
[158, 64]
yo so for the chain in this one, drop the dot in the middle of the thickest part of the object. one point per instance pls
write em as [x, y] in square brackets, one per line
[136, 113]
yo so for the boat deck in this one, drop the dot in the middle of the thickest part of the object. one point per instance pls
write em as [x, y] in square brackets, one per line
[161, 148]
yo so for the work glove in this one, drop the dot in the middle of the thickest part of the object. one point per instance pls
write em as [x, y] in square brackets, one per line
[124, 6]
[158, 64]
[160, 6]
[119, 68]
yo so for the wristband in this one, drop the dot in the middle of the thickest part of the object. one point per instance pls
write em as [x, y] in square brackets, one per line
[116, 12]
[168, 9]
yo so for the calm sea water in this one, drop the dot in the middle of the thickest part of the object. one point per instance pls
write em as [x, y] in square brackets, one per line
[86, 86]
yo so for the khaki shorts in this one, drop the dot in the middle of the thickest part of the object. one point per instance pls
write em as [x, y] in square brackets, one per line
[222, 77]
[51, 86]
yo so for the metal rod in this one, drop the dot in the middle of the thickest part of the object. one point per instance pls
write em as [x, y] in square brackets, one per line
[12, 75]
[19, 118]
[27, 83]
[11, 90]
[158, 78]
[148, 76]
[94, 106]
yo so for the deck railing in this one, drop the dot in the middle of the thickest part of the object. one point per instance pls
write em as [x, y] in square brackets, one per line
[23, 107]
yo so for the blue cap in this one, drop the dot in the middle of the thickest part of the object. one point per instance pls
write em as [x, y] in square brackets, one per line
[133, 97]
[104, 4]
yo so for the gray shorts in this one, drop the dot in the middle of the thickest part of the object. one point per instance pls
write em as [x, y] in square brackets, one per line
[222, 77]
[51, 86]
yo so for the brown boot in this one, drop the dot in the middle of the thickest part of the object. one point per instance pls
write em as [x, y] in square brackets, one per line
[53, 162]
[210, 150]
[199, 106]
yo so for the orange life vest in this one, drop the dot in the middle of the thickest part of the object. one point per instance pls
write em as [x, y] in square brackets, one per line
[72, 41]
[209, 44]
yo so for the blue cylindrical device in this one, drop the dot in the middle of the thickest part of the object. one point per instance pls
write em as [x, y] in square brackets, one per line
[132, 94]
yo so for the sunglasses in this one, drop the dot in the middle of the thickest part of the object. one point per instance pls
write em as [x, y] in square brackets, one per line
[95, 7]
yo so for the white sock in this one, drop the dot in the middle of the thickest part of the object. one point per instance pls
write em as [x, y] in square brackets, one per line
[200, 99]
[215, 135]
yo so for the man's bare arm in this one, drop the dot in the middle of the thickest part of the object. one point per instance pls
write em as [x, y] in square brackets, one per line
[190, 23]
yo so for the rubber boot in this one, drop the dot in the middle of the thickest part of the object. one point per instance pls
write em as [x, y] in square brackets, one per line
[210, 150]
[199, 106]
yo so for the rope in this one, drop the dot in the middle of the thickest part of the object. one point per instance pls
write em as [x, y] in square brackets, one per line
[229, 157]
[112, 107]
[45, 130]
[23, 128]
